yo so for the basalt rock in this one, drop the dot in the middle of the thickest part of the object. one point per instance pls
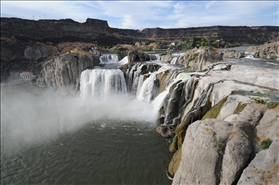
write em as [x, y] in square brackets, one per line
[233, 54]
[267, 50]
[62, 73]
[136, 56]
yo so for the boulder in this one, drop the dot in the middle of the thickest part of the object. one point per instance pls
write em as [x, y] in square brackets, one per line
[264, 168]
[228, 148]
[62, 73]
[166, 58]
[233, 54]
[136, 56]
[268, 127]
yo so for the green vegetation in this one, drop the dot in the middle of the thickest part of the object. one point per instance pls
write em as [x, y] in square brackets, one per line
[219, 146]
[189, 69]
[232, 50]
[273, 57]
[214, 111]
[272, 104]
[265, 144]
[239, 108]
[118, 52]
[163, 53]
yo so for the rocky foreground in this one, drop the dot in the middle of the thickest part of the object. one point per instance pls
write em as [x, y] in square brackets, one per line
[223, 119]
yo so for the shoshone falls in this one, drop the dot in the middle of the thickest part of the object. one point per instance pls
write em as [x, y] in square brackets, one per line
[204, 120]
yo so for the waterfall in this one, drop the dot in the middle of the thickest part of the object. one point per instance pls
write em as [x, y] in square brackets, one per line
[149, 88]
[249, 56]
[173, 60]
[124, 61]
[102, 83]
[108, 58]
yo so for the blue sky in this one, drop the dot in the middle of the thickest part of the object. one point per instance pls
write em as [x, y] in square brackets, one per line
[150, 14]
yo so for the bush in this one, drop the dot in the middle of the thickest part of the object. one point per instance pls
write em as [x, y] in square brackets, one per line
[265, 144]
[118, 52]
[272, 104]
[273, 57]
[163, 53]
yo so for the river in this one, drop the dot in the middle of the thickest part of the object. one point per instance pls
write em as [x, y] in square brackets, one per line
[45, 140]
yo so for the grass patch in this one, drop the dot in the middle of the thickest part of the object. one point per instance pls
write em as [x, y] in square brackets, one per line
[272, 104]
[163, 53]
[239, 108]
[273, 57]
[188, 69]
[214, 111]
[265, 144]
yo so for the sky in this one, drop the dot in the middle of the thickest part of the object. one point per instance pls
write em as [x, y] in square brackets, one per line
[150, 14]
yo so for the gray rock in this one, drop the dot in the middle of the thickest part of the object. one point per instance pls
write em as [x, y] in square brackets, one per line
[233, 54]
[62, 73]
[268, 127]
[166, 58]
[136, 56]
[264, 167]
[227, 145]
[36, 52]
[200, 161]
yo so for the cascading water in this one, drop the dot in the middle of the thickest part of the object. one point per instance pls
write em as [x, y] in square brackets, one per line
[173, 60]
[108, 58]
[102, 83]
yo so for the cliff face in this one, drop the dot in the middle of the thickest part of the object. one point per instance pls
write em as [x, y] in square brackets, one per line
[99, 32]
[240, 34]
[55, 37]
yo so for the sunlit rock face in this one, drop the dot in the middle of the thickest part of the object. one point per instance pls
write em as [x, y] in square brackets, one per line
[62, 73]
[267, 50]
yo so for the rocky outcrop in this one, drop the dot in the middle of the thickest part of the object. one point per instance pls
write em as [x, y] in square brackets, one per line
[62, 73]
[228, 148]
[166, 58]
[264, 168]
[136, 56]
[233, 53]
[199, 59]
[267, 50]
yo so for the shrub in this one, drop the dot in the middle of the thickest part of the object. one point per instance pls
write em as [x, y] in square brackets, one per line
[265, 144]
[272, 104]
[118, 52]
[273, 57]
[163, 53]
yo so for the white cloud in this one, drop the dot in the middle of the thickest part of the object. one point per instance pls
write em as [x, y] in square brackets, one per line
[149, 14]
[208, 5]
[127, 22]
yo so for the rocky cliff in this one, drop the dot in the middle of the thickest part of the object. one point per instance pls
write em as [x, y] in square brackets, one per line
[47, 38]
[222, 121]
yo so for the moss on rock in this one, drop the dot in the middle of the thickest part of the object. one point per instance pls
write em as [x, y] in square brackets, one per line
[214, 111]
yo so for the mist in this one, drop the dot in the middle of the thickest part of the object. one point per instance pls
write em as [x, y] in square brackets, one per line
[31, 115]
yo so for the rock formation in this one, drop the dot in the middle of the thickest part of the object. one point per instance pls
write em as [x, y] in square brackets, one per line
[219, 118]
[267, 50]
[62, 73]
